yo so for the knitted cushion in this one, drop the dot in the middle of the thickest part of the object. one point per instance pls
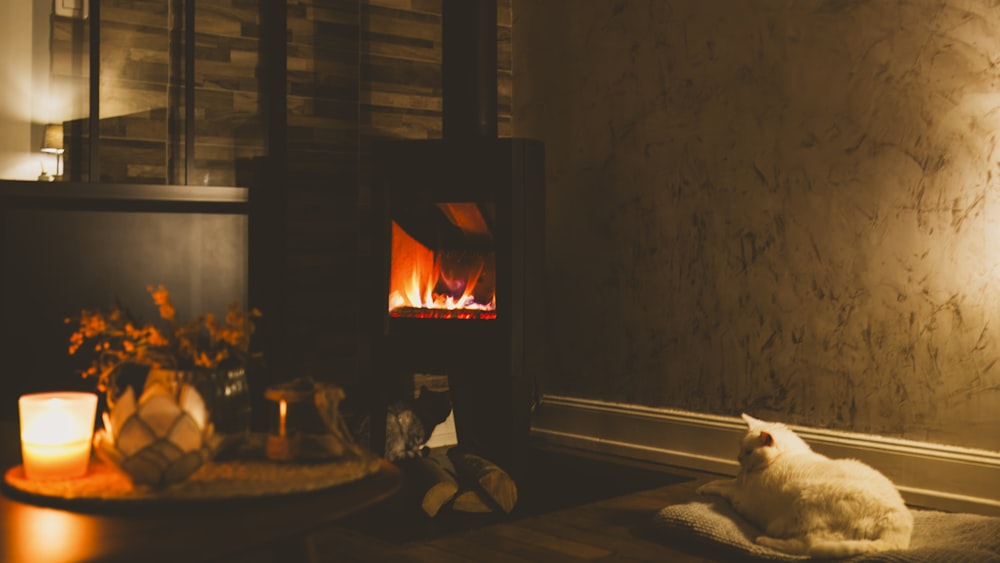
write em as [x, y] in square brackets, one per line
[937, 536]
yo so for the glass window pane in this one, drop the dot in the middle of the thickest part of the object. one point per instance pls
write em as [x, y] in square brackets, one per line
[227, 124]
[443, 261]
[143, 96]
[45, 66]
[135, 101]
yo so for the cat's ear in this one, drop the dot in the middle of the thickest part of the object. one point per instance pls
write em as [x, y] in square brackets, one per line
[751, 421]
[765, 439]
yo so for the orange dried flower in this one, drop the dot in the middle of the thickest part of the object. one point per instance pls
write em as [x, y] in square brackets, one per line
[161, 297]
[114, 337]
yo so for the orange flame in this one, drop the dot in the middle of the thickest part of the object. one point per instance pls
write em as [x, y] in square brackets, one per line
[416, 273]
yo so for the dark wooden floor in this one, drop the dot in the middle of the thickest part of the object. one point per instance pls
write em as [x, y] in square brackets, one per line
[594, 510]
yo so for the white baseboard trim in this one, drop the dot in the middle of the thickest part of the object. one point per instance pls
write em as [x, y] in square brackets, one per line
[928, 475]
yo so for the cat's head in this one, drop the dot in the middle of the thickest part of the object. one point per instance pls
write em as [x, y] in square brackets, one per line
[765, 442]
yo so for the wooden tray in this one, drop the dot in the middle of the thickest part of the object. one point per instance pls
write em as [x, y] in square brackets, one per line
[104, 486]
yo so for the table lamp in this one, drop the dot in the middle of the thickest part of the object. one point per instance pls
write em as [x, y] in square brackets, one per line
[52, 143]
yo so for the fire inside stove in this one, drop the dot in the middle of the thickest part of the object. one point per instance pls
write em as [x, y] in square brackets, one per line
[443, 262]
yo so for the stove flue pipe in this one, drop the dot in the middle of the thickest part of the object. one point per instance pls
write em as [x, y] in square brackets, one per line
[469, 68]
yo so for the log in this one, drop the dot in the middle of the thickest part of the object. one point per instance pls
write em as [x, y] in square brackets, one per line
[434, 485]
[472, 500]
[489, 477]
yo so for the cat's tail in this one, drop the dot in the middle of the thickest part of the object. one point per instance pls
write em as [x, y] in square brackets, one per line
[846, 548]
[827, 548]
[894, 535]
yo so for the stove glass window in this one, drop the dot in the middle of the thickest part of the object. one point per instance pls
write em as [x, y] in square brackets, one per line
[443, 261]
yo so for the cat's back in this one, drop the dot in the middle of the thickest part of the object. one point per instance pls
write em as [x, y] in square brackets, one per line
[850, 475]
[825, 480]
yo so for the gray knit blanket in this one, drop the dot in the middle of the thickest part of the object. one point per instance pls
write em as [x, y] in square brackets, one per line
[937, 536]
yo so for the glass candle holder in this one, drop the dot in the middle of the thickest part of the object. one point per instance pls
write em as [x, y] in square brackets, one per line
[56, 433]
[293, 420]
[287, 421]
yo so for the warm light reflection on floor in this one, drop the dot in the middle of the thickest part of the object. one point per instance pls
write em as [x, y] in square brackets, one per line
[44, 534]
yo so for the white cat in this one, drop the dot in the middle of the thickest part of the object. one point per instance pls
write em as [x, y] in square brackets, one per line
[809, 504]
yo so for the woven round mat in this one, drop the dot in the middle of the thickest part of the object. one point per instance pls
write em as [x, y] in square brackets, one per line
[217, 480]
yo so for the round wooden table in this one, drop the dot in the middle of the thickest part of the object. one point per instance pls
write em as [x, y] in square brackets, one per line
[196, 531]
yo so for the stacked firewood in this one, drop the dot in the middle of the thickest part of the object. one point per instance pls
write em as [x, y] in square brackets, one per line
[461, 481]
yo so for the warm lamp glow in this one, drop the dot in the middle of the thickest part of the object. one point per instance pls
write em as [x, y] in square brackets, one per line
[56, 431]
[52, 142]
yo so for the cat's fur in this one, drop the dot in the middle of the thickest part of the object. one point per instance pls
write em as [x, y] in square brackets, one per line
[807, 503]
[409, 423]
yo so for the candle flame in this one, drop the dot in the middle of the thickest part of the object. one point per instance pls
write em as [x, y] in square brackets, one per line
[282, 413]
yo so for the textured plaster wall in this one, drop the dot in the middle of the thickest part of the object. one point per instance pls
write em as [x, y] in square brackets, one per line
[790, 208]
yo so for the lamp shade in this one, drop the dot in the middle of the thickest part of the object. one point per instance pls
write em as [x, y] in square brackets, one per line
[53, 139]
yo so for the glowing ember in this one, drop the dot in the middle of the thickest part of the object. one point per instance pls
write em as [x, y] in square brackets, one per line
[414, 313]
[425, 284]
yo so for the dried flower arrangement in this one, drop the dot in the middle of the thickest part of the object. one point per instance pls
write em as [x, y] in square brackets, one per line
[114, 337]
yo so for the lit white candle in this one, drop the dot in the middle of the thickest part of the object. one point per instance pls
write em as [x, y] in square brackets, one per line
[56, 431]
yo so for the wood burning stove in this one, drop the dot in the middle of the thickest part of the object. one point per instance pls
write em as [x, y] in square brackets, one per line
[461, 279]
[461, 243]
